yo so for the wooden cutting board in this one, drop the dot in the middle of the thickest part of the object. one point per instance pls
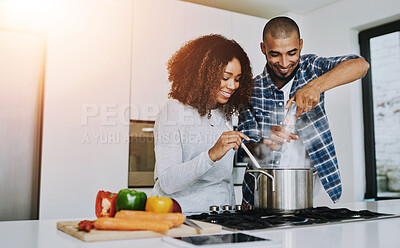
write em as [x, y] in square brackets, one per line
[70, 227]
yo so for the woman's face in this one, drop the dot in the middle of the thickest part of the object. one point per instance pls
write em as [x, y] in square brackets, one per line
[230, 81]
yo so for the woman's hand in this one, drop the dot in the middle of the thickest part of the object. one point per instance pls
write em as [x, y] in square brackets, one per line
[227, 141]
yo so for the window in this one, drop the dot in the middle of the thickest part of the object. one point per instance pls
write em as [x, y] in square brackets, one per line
[380, 46]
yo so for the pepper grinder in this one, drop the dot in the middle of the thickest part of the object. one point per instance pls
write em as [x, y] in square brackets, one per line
[289, 122]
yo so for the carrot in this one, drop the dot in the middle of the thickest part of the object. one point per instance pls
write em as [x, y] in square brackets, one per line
[176, 218]
[108, 223]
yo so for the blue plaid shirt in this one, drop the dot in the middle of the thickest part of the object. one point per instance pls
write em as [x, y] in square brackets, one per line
[267, 110]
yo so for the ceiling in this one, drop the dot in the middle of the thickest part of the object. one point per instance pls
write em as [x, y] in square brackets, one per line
[266, 8]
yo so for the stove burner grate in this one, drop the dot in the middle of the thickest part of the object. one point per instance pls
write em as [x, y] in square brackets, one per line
[262, 219]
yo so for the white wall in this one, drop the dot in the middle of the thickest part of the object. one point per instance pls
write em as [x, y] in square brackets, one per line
[332, 31]
[88, 64]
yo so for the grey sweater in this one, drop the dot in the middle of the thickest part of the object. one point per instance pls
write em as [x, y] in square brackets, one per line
[183, 169]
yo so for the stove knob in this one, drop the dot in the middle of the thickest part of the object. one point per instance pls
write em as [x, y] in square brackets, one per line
[214, 208]
[250, 207]
[226, 207]
[238, 207]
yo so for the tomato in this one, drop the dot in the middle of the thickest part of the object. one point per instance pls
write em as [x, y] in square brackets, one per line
[159, 204]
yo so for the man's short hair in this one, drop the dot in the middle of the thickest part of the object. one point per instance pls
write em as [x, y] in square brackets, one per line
[280, 27]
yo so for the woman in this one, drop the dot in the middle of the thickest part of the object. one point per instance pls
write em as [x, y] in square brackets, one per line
[211, 79]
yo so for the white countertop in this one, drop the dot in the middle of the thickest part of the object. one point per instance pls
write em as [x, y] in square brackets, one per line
[366, 234]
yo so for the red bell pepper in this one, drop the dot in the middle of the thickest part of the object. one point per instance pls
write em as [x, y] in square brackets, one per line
[105, 204]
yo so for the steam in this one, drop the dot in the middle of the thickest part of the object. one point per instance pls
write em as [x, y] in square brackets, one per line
[268, 158]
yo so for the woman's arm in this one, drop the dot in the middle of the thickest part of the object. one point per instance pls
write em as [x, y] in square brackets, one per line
[177, 176]
[172, 172]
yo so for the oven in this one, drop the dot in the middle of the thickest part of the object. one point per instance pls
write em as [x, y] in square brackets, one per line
[141, 154]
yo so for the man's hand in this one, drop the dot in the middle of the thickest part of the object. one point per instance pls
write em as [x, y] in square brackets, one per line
[306, 98]
[345, 72]
[279, 136]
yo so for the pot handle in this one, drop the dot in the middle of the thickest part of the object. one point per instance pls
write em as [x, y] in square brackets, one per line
[255, 179]
[265, 173]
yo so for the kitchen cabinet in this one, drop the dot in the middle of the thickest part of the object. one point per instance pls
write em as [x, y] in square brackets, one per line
[157, 32]
[247, 31]
[161, 27]
[88, 70]
[201, 20]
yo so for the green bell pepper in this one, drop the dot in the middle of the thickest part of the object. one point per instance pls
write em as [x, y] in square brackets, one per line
[128, 199]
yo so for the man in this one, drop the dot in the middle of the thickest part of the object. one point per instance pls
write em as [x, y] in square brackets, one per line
[289, 76]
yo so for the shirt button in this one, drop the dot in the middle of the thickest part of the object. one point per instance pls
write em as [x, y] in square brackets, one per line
[280, 103]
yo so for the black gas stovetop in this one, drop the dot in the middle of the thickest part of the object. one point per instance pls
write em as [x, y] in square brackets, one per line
[262, 219]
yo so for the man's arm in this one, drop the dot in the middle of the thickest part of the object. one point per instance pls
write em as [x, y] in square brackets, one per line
[345, 72]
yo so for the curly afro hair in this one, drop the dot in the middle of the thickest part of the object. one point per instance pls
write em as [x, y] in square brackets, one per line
[196, 71]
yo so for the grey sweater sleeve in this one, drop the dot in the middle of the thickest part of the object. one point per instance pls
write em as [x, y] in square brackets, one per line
[174, 174]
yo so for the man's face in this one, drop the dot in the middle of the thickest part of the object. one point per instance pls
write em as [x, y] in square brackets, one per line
[282, 55]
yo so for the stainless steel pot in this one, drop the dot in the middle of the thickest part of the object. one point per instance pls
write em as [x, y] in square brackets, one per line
[283, 189]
